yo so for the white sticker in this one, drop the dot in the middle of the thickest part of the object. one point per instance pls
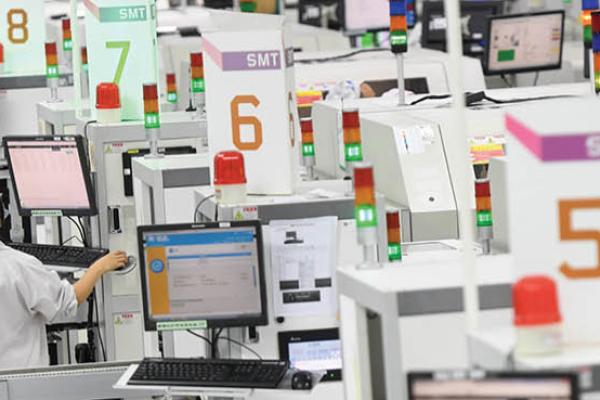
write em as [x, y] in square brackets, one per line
[414, 140]
[400, 140]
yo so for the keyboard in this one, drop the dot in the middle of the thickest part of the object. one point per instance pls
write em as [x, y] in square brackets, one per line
[64, 256]
[264, 374]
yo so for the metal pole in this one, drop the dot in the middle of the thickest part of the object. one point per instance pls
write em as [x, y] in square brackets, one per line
[459, 146]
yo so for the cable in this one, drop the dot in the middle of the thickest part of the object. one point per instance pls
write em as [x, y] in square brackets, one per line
[200, 336]
[506, 80]
[219, 337]
[99, 330]
[535, 81]
[80, 229]
[341, 56]
[204, 200]
[64, 242]
[85, 232]
[512, 101]
[431, 97]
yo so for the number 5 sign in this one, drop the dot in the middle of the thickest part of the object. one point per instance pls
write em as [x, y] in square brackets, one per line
[22, 33]
[251, 106]
[554, 205]
[121, 42]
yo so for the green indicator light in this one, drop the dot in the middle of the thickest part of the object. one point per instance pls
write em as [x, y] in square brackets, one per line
[587, 34]
[308, 150]
[248, 6]
[597, 81]
[366, 216]
[353, 152]
[484, 218]
[368, 40]
[151, 121]
[52, 71]
[85, 67]
[398, 38]
[394, 252]
[198, 85]
[67, 45]
[172, 97]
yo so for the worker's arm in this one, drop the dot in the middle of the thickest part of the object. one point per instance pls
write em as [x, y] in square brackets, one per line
[110, 262]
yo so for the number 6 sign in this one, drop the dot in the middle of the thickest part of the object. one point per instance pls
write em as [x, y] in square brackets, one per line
[251, 106]
[22, 33]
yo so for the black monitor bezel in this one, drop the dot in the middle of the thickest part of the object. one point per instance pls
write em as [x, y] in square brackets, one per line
[486, 52]
[261, 320]
[309, 335]
[431, 6]
[572, 377]
[85, 167]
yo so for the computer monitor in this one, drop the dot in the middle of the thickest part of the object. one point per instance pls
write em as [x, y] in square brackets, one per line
[208, 275]
[523, 43]
[493, 385]
[373, 15]
[313, 350]
[50, 175]
[312, 12]
[474, 19]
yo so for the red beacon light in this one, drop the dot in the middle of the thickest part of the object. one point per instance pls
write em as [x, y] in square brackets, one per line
[230, 177]
[392, 217]
[84, 58]
[537, 316]
[108, 103]
[352, 138]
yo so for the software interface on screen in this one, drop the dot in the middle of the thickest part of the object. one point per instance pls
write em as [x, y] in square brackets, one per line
[525, 42]
[500, 389]
[202, 274]
[362, 15]
[316, 355]
[48, 174]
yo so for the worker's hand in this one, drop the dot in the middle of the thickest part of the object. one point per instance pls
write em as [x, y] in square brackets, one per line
[111, 261]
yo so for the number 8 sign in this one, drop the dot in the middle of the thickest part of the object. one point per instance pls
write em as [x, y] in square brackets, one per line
[22, 33]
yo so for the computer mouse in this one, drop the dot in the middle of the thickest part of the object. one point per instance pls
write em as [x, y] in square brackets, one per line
[131, 262]
[302, 380]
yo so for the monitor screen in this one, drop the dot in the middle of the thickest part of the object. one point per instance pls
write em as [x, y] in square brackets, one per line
[372, 15]
[313, 350]
[474, 20]
[50, 174]
[522, 43]
[210, 274]
[489, 385]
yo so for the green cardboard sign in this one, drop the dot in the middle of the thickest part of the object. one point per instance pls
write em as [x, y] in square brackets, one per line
[121, 42]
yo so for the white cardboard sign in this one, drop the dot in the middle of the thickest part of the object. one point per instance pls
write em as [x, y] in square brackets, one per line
[251, 105]
[554, 205]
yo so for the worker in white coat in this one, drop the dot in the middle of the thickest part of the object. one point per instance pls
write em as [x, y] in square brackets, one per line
[32, 296]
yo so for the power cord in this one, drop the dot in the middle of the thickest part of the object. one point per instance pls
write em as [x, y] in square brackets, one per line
[219, 337]
[95, 298]
[81, 231]
[472, 99]
[204, 200]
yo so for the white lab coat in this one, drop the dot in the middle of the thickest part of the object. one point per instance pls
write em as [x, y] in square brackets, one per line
[30, 297]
